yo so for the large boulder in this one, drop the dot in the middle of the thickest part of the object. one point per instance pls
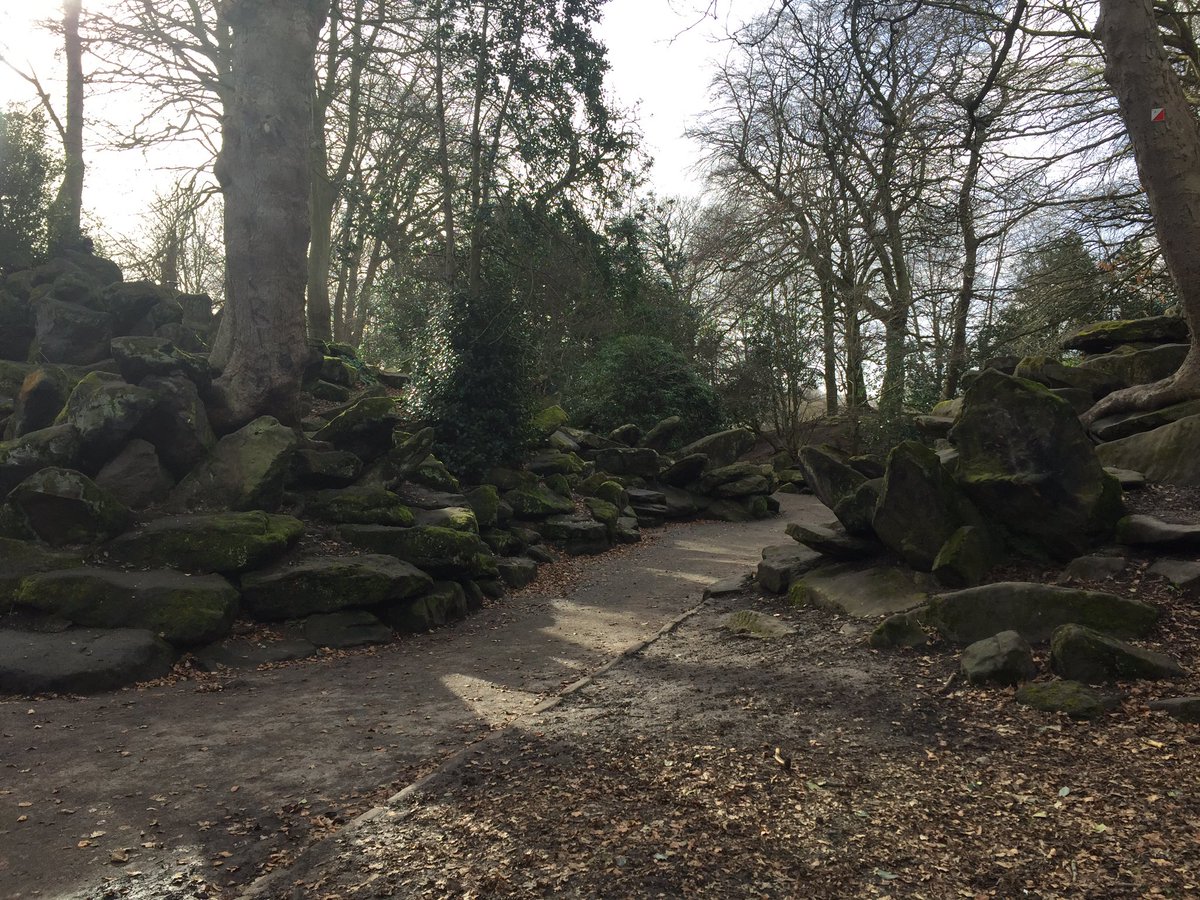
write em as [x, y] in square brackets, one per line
[517, 571]
[20, 559]
[834, 543]
[684, 470]
[781, 565]
[1148, 531]
[1101, 337]
[69, 333]
[537, 502]
[358, 506]
[916, 480]
[178, 426]
[1053, 374]
[185, 610]
[738, 480]
[578, 535]
[1035, 611]
[324, 584]
[1133, 366]
[636, 461]
[345, 629]
[63, 506]
[1027, 463]
[459, 518]
[442, 551]
[324, 469]
[1113, 428]
[1166, 454]
[445, 602]
[139, 357]
[1084, 654]
[130, 301]
[858, 592]
[723, 448]
[966, 557]
[58, 445]
[662, 434]
[136, 477]
[365, 429]
[246, 470]
[220, 542]
[837, 484]
[1005, 658]
[105, 411]
[485, 501]
[80, 661]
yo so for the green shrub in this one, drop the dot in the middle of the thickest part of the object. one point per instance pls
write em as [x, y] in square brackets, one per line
[642, 380]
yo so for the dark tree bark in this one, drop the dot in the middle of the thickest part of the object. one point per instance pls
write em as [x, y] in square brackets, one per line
[263, 169]
[1168, 162]
[66, 214]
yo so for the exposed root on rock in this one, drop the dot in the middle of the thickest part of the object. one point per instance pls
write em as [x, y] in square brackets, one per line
[1182, 386]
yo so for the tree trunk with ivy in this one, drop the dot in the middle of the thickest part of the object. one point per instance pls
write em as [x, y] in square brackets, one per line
[1168, 163]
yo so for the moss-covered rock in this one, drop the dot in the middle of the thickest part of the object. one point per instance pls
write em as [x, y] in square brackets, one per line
[409, 451]
[1134, 366]
[1053, 374]
[365, 429]
[434, 549]
[1101, 337]
[604, 512]
[916, 480]
[1084, 654]
[221, 542]
[69, 332]
[503, 543]
[359, 506]
[966, 557]
[139, 357]
[105, 411]
[325, 584]
[20, 559]
[1028, 464]
[458, 518]
[485, 501]
[324, 469]
[1068, 697]
[549, 420]
[1035, 611]
[246, 470]
[63, 506]
[662, 434]
[782, 565]
[555, 462]
[184, 610]
[537, 502]
[903, 630]
[1113, 428]
[685, 470]
[432, 472]
[58, 446]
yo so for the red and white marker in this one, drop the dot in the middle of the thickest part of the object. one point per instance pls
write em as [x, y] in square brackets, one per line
[1158, 114]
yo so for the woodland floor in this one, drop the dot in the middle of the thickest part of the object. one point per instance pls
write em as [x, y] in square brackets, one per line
[705, 765]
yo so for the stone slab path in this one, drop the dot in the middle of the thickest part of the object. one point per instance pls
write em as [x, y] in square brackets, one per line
[187, 790]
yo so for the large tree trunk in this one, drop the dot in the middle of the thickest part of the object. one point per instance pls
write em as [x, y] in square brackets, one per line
[1168, 163]
[263, 169]
[66, 215]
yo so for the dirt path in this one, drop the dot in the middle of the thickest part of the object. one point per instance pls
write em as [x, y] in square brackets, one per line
[188, 790]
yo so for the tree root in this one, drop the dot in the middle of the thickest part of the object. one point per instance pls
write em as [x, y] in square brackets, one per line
[1183, 385]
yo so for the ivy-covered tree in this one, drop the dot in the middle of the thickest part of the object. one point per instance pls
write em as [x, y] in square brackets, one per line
[28, 170]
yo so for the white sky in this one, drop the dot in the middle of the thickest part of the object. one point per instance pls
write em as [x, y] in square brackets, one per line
[660, 50]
